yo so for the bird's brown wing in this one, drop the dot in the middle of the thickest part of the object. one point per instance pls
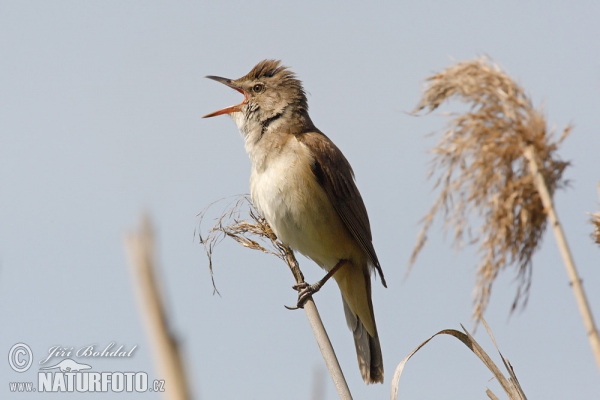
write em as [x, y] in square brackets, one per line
[335, 175]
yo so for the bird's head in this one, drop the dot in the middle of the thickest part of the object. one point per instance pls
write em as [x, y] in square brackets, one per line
[269, 90]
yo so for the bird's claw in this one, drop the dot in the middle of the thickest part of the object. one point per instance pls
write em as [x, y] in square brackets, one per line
[305, 291]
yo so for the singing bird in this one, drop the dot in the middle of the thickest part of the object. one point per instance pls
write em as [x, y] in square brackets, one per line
[304, 187]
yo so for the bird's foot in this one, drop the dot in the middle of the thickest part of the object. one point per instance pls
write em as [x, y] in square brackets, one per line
[305, 292]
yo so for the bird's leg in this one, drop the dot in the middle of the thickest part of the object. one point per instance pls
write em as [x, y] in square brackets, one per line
[305, 290]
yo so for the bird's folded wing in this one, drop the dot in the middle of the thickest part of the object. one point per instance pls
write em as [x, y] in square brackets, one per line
[335, 175]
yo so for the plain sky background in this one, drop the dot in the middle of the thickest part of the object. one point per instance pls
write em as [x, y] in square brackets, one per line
[100, 119]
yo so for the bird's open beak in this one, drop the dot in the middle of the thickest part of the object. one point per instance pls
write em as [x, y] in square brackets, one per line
[230, 109]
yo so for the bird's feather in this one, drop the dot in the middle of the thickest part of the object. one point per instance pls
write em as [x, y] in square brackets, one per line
[335, 175]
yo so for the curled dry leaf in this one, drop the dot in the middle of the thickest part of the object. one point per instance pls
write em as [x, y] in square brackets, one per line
[510, 385]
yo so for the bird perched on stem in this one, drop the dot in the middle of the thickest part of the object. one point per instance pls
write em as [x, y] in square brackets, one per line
[304, 187]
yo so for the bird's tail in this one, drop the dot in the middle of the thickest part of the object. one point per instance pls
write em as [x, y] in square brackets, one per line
[368, 349]
[355, 284]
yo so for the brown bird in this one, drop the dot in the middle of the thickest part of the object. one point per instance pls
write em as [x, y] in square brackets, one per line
[304, 187]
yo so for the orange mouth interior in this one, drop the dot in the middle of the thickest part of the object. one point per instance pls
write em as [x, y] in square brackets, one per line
[230, 109]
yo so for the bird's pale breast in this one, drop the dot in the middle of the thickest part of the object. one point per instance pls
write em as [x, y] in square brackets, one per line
[287, 193]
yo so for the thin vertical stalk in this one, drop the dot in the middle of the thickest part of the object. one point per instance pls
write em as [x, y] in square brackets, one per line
[167, 358]
[575, 280]
[319, 331]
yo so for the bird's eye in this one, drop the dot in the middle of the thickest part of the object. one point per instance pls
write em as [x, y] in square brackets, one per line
[258, 88]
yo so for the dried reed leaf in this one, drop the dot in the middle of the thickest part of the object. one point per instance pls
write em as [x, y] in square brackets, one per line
[483, 176]
[514, 382]
[511, 385]
[491, 395]
[233, 223]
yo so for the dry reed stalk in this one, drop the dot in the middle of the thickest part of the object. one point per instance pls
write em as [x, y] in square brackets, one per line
[258, 235]
[165, 349]
[510, 385]
[574, 279]
[499, 163]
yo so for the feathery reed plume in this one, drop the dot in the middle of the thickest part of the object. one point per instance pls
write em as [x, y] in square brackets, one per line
[258, 235]
[482, 172]
[499, 162]
[595, 220]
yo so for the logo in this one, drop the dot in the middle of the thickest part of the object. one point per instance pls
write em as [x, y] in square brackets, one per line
[69, 365]
[68, 375]
[20, 357]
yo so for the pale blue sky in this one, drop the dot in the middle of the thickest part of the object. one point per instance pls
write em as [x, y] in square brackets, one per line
[100, 119]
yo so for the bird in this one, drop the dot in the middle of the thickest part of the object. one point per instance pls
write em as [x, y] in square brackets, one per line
[304, 187]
